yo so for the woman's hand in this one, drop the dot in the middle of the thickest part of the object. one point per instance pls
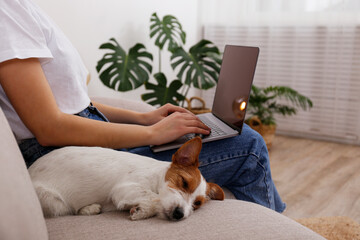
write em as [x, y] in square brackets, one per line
[163, 112]
[176, 125]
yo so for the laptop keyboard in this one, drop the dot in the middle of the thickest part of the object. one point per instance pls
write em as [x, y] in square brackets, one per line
[215, 130]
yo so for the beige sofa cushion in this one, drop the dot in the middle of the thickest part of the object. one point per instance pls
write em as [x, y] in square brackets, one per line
[21, 215]
[229, 219]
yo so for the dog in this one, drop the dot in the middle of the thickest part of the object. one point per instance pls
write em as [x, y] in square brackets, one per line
[91, 180]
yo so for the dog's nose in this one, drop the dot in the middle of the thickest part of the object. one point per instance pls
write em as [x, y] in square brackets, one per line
[178, 213]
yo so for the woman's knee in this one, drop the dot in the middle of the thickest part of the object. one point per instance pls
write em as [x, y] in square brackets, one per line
[256, 142]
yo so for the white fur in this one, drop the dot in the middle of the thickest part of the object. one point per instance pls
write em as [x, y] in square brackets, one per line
[87, 180]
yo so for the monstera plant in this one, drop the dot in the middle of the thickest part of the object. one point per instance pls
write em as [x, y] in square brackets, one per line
[124, 71]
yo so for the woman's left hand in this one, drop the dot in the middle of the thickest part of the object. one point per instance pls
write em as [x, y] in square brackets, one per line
[162, 112]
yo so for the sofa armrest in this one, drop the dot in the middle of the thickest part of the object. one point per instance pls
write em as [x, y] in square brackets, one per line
[21, 215]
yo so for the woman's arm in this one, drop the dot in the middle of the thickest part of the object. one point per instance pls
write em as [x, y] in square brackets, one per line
[119, 115]
[29, 93]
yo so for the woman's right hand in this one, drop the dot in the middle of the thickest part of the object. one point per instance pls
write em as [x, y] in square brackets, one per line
[176, 125]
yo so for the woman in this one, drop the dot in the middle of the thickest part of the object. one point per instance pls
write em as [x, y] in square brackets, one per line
[44, 97]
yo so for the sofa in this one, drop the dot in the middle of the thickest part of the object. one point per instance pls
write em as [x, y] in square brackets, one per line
[21, 216]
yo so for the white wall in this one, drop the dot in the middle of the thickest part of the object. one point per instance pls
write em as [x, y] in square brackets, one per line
[89, 23]
[279, 12]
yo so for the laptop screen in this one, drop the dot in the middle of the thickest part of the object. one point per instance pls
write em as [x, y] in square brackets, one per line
[234, 84]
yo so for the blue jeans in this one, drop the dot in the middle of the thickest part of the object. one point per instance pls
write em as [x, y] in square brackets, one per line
[240, 164]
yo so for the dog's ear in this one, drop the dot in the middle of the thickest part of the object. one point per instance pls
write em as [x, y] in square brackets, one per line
[188, 154]
[214, 191]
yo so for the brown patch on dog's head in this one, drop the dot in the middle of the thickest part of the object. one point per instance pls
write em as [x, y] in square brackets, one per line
[183, 173]
[186, 189]
[188, 154]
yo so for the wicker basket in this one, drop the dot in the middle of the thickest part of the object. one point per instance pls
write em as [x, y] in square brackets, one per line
[197, 110]
[266, 131]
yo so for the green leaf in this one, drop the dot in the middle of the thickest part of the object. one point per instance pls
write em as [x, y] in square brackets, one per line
[262, 102]
[200, 67]
[282, 109]
[121, 71]
[168, 30]
[289, 94]
[161, 93]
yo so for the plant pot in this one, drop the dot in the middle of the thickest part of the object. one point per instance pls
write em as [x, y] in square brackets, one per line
[197, 110]
[266, 131]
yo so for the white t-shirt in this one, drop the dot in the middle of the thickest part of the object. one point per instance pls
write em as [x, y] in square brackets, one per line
[27, 32]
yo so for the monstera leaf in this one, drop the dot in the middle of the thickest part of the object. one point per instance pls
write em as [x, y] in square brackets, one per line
[168, 30]
[121, 71]
[161, 93]
[200, 67]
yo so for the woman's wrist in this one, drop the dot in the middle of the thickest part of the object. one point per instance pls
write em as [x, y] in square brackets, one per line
[149, 118]
[143, 119]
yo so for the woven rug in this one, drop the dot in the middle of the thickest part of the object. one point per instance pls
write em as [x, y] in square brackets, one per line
[333, 228]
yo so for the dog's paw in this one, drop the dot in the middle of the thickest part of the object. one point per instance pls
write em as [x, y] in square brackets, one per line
[92, 209]
[138, 213]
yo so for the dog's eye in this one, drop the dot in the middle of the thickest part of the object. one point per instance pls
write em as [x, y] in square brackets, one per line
[197, 204]
[198, 201]
[185, 184]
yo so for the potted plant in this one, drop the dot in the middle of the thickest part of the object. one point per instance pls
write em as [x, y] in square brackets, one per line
[264, 103]
[124, 71]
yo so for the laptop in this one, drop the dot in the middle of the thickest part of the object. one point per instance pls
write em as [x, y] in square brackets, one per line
[231, 97]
